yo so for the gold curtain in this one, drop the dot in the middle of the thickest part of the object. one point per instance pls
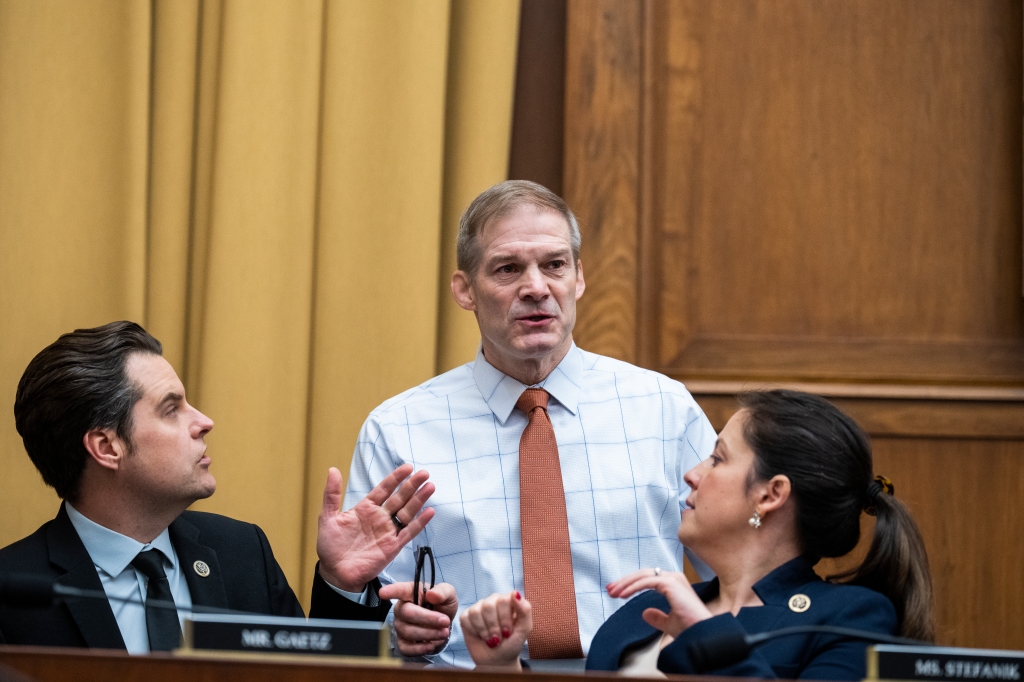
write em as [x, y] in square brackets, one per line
[272, 188]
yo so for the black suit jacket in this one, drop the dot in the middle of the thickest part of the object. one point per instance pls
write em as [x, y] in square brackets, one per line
[244, 576]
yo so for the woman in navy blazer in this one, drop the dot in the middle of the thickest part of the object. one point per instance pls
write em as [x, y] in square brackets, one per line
[786, 485]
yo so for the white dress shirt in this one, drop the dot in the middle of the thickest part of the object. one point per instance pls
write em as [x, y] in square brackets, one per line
[112, 554]
[625, 437]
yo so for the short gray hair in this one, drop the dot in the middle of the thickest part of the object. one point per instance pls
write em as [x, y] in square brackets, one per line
[500, 201]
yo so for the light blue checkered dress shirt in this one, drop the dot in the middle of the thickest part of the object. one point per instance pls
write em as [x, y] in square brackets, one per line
[625, 436]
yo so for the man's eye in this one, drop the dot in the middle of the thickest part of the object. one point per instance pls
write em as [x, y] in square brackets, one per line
[507, 269]
[557, 264]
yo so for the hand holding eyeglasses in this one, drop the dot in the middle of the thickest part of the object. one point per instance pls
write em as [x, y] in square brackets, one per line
[420, 630]
[423, 628]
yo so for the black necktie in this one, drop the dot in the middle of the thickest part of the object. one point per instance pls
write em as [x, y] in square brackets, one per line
[161, 623]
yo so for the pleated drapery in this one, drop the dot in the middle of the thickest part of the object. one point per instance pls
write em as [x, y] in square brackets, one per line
[272, 189]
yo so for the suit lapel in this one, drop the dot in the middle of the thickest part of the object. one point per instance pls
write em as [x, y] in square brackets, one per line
[94, 618]
[762, 618]
[774, 590]
[208, 591]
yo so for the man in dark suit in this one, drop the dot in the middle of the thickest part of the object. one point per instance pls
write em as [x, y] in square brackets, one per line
[104, 418]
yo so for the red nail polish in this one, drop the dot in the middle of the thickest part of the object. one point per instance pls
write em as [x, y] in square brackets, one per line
[493, 642]
[506, 633]
[518, 596]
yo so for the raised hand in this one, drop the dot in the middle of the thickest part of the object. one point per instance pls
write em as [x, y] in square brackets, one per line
[496, 628]
[355, 546]
[422, 631]
[686, 607]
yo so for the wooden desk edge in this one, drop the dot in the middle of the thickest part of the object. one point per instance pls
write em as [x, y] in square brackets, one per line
[51, 664]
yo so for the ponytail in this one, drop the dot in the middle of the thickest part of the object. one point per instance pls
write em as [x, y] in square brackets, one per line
[897, 565]
[827, 458]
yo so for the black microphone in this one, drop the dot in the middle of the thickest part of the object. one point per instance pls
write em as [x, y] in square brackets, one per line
[719, 651]
[32, 591]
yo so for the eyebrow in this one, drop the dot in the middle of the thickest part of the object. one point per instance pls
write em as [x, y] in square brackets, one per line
[562, 252]
[170, 398]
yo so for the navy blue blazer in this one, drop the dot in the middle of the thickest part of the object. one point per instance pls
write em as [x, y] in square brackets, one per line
[244, 575]
[814, 657]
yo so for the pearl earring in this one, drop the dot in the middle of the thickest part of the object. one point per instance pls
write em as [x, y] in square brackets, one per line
[755, 520]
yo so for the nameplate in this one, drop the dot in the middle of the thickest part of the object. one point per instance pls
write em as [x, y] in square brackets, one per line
[278, 635]
[893, 662]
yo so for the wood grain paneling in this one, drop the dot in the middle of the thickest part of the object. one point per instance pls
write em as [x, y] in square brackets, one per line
[826, 196]
[966, 498]
[907, 418]
[849, 359]
[842, 183]
[602, 160]
[538, 116]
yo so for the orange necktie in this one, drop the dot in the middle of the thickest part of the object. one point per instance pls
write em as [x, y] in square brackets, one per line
[547, 561]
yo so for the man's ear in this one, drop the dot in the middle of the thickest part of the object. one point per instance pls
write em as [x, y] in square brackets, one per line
[462, 290]
[104, 447]
[580, 284]
[774, 494]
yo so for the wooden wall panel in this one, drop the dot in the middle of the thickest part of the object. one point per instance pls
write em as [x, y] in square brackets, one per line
[843, 182]
[538, 115]
[966, 497]
[602, 162]
[826, 196]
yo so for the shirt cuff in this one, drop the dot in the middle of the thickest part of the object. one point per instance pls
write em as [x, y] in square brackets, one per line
[358, 597]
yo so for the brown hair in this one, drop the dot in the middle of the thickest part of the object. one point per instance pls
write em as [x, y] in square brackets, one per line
[78, 383]
[500, 201]
[828, 461]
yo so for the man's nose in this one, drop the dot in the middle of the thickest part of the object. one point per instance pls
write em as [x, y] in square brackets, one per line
[202, 425]
[534, 284]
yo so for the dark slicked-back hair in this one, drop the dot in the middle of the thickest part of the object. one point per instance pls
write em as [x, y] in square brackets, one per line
[77, 383]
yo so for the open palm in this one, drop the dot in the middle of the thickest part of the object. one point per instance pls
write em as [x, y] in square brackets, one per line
[354, 546]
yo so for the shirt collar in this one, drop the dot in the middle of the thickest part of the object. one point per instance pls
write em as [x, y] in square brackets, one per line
[109, 550]
[501, 392]
[777, 587]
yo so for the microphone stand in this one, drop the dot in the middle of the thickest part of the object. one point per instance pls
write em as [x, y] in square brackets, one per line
[720, 651]
[31, 591]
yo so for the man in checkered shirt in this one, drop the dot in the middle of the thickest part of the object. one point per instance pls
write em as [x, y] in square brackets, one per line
[625, 435]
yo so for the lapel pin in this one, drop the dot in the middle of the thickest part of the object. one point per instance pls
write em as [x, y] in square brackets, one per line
[203, 570]
[799, 603]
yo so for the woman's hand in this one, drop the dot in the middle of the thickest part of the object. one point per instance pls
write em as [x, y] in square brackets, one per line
[496, 628]
[687, 607]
